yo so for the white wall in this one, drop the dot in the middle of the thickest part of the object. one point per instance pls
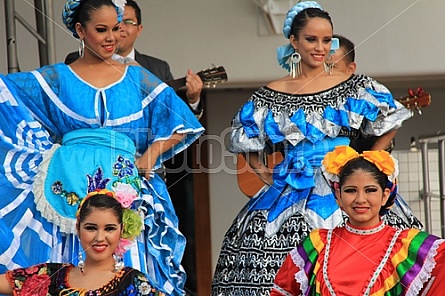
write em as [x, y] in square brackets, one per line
[410, 184]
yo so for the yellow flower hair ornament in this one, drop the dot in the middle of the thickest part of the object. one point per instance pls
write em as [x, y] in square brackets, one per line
[384, 162]
[335, 160]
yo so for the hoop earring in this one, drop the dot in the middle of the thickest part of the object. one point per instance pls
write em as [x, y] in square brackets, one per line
[81, 48]
[295, 65]
[119, 264]
[81, 263]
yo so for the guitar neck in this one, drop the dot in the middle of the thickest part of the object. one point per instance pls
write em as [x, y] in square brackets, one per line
[177, 83]
[209, 77]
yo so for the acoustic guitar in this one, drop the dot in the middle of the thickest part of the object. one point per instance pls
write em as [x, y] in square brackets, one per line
[250, 183]
[210, 77]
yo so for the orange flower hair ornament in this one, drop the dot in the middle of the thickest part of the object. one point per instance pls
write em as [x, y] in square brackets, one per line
[335, 160]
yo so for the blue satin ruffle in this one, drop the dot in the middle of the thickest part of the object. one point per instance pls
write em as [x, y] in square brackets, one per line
[299, 118]
[272, 129]
[316, 127]
[292, 171]
[246, 117]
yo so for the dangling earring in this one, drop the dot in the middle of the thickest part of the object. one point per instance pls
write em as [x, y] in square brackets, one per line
[81, 48]
[329, 66]
[81, 263]
[119, 264]
[294, 64]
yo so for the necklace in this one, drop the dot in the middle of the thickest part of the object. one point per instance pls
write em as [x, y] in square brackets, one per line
[364, 231]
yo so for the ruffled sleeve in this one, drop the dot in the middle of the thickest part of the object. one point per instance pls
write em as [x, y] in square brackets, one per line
[168, 114]
[34, 96]
[298, 272]
[420, 261]
[434, 286]
[285, 283]
[360, 103]
[384, 114]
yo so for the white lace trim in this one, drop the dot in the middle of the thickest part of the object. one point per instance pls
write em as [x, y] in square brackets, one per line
[300, 276]
[326, 262]
[425, 273]
[281, 290]
[66, 225]
[382, 263]
[351, 229]
[413, 290]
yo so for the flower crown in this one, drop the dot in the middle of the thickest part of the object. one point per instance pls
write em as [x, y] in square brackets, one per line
[335, 160]
[132, 223]
[69, 10]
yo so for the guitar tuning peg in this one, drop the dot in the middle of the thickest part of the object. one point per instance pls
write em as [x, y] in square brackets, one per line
[419, 111]
[419, 91]
[411, 92]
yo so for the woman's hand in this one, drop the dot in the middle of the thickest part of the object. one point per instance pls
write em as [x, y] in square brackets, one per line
[266, 176]
[147, 161]
[258, 166]
[194, 87]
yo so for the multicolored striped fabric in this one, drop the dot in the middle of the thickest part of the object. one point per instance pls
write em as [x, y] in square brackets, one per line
[409, 265]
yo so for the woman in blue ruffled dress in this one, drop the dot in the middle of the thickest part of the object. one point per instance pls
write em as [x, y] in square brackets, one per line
[68, 130]
[303, 116]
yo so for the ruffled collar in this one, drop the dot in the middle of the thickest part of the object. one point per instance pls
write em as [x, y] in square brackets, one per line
[364, 230]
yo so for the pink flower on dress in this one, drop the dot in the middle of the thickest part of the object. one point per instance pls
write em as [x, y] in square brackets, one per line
[32, 269]
[123, 246]
[125, 194]
[36, 285]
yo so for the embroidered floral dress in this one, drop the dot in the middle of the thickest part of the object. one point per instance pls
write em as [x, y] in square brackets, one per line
[53, 279]
[354, 261]
[60, 137]
[303, 128]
